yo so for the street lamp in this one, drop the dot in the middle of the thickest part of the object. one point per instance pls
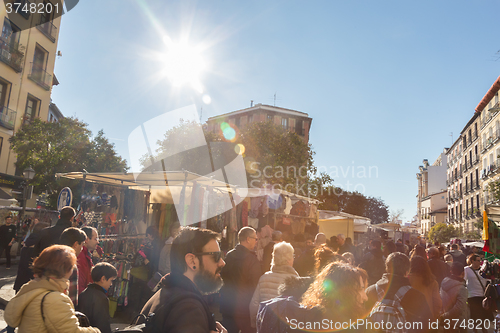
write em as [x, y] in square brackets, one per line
[28, 175]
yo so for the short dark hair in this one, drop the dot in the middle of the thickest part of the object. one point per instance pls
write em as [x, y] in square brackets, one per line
[457, 268]
[72, 235]
[88, 231]
[153, 231]
[454, 246]
[103, 269]
[189, 240]
[67, 213]
[244, 233]
[397, 263]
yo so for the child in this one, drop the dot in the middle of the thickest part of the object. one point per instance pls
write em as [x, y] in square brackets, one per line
[93, 301]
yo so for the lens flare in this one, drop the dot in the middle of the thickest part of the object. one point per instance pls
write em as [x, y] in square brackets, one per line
[239, 149]
[207, 99]
[229, 133]
[328, 286]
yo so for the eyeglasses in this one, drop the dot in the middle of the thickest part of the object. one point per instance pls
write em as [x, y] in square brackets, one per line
[216, 255]
[254, 238]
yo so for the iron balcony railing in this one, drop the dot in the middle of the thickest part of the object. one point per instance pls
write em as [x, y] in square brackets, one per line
[11, 55]
[40, 76]
[7, 118]
[48, 29]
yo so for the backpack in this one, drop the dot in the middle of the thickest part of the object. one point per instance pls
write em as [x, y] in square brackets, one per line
[389, 311]
[153, 322]
[275, 314]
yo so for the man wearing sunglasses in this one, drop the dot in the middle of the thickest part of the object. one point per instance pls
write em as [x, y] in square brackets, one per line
[241, 276]
[195, 263]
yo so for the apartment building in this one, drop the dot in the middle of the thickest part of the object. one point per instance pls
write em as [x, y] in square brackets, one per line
[292, 120]
[471, 194]
[488, 109]
[27, 60]
[431, 198]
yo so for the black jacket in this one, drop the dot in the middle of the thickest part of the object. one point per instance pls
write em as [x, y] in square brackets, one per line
[50, 236]
[414, 302]
[24, 272]
[304, 265]
[94, 303]
[240, 275]
[374, 264]
[440, 269]
[179, 307]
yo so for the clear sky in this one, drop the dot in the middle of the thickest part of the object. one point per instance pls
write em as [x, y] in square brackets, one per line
[386, 82]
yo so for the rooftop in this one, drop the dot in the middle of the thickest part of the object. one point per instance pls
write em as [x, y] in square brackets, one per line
[263, 107]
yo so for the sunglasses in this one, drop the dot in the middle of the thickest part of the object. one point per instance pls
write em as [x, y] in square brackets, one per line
[216, 255]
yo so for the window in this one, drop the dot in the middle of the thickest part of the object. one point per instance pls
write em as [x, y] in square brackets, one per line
[32, 106]
[270, 117]
[284, 123]
[250, 118]
[10, 33]
[38, 66]
[237, 122]
[4, 87]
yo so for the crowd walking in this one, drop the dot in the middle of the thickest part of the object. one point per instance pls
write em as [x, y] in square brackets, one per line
[321, 284]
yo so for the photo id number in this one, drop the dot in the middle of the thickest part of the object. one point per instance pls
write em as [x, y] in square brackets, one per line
[26, 8]
[472, 324]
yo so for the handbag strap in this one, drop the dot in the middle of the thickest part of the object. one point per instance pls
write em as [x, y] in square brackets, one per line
[482, 286]
[41, 305]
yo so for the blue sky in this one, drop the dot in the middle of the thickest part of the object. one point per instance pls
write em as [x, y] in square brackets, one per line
[385, 82]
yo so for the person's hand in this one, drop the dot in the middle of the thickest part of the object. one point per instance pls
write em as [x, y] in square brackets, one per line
[146, 261]
[220, 328]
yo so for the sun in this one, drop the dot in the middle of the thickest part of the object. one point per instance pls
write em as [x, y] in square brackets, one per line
[183, 64]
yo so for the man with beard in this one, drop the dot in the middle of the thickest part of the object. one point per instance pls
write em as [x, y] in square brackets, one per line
[241, 276]
[195, 263]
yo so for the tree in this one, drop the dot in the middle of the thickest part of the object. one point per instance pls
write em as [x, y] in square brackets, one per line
[442, 233]
[272, 155]
[336, 199]
[395, 215]
[65, 146]
[473, 235]
[278, 156]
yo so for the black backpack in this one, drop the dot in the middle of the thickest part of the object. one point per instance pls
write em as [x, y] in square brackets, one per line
[153, 322]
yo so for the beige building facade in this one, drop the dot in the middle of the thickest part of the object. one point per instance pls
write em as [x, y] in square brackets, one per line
[27, 60]
[432, 194]
[292, 120]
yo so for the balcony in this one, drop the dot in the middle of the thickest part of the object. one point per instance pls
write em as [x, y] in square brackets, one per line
[12, 54]
[7, 118]
[475, 159]
[48, 29]
[40, 76]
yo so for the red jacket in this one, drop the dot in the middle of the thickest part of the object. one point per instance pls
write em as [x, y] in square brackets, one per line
[84, 263]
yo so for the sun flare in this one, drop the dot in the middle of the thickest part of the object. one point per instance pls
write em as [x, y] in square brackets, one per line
[183, 64]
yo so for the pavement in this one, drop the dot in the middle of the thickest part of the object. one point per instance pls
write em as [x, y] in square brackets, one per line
[7, 278]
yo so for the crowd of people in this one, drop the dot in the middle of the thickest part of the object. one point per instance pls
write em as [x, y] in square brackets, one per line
[322, 285]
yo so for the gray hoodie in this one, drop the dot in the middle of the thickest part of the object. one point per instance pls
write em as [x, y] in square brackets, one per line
[454, 296]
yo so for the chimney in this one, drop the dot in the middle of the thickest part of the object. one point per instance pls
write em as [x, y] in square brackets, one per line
[251, 103]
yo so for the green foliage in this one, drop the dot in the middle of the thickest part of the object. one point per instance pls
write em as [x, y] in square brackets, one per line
[334, 198]
[442, 233]
[65, 146]
[473, 235]
[278, 157]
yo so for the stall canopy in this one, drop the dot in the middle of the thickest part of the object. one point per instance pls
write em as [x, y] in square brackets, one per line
[332, 223]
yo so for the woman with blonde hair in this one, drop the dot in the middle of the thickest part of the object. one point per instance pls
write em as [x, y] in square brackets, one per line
[338, 292]
[281, 269]
[42, 305]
